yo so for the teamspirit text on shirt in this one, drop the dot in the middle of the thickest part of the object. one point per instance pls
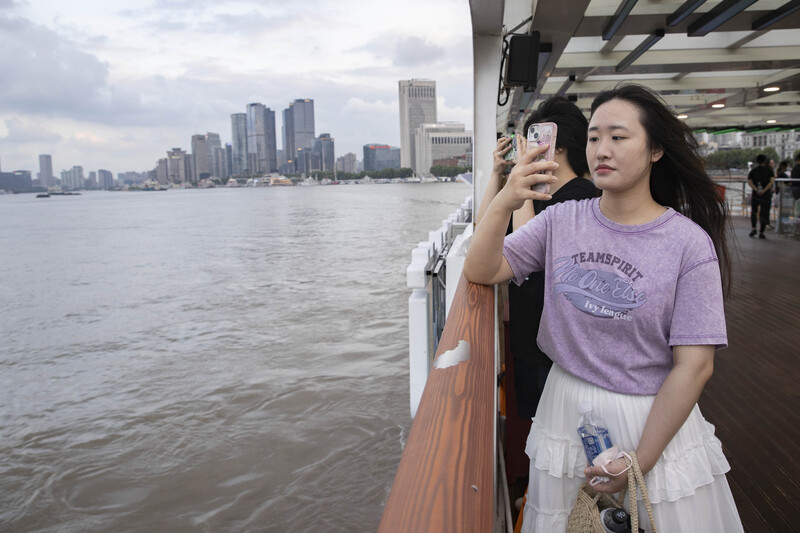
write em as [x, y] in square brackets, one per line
[609, 259]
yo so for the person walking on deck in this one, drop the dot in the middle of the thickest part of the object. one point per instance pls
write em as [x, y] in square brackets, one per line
[761, 179]
[633, 313]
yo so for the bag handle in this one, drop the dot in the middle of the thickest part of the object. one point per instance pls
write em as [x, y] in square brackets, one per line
[635, 477]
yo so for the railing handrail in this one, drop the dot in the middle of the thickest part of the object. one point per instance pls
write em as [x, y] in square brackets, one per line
[445, 480]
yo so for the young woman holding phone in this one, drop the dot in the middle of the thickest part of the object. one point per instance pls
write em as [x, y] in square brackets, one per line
[633, 313]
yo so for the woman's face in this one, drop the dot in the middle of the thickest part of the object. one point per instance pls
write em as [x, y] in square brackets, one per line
[617, 150]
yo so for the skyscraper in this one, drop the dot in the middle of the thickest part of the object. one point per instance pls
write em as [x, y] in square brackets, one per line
[216, 160]
[239, 143]
[46, 171]
[201, 159]
[298, 128]
[262, 147]
[417, 106]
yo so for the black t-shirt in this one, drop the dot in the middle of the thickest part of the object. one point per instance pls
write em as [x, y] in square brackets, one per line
[526, 301]
[760, 176]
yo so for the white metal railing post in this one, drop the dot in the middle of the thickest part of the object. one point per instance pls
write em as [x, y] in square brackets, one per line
[419, 321]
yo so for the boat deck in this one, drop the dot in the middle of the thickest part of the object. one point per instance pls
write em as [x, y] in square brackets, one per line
[753, 398]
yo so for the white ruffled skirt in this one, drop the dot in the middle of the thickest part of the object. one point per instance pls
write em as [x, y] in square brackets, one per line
[687, 486]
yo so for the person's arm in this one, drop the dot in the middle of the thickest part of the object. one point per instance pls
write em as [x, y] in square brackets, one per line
[485, 262]
[770, 184]
[499, 164]
[674, 402]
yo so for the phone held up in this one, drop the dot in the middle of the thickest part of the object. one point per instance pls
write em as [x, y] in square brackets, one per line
[538, 134]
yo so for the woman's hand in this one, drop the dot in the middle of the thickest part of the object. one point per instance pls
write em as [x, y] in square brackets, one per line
[615, 483]
[499, 163]
[525, 174]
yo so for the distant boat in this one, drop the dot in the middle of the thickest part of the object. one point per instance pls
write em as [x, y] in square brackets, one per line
[280, 181]
[43, 195]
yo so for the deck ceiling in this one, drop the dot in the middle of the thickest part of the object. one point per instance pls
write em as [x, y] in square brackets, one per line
[731, 65]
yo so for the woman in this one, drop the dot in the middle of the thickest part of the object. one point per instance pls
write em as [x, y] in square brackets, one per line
[526, 301]
[633, 313]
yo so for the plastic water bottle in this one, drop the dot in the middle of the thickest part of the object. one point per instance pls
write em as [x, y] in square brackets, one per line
[595, 439]
[615, 520]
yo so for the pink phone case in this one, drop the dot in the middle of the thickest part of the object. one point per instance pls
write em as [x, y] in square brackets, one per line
[538, 134]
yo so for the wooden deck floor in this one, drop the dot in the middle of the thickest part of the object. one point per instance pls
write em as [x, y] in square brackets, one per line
[753, 398]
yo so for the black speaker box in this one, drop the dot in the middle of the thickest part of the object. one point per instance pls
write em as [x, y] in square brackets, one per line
[522, 63]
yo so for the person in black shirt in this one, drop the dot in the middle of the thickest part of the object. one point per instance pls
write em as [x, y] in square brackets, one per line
[795, 183]
[526, 301]
[761, 180]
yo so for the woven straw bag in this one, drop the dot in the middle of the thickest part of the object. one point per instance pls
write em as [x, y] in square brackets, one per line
[585, 515]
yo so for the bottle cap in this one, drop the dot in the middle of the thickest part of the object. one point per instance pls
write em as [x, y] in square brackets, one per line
[585, 407]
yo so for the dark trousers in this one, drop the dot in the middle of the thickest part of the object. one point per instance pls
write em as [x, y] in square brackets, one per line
[763, 203]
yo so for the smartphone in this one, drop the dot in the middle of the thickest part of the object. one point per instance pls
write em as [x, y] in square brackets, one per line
[538, 134]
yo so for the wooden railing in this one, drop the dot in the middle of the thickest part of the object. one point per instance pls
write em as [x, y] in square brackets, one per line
[446, 480]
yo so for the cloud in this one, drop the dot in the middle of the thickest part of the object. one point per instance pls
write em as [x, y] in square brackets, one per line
[44, 73]
[404, 50]
[358, 106]
[28, 132]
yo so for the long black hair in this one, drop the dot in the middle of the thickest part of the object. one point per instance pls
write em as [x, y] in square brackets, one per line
[572, 129]
[678, 179]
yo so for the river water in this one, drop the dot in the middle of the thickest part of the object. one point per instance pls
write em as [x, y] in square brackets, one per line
[207, 360]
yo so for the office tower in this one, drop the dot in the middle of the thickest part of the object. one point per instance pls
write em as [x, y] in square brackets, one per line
[201, 159]
[262, 147]
[441, 143]
[105, 178]
[162, 173]
[417, 106]
[288, 134]
[239, 144]
[322, 154]
[177, 165]
[228, 160]
[215, 160]
[347, 163]
[91, 181]
[46, 171]
[298, 127]
[381, 156]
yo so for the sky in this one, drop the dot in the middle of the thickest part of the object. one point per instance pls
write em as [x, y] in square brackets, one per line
[114, 84]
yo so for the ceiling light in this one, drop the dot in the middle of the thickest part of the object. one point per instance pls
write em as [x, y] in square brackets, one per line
[771, 121]
[718, 16]
[683, 116]
[649, 41]
[771, 89]
[717, 106]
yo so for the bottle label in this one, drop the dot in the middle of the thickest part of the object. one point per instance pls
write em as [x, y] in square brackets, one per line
[593, 445]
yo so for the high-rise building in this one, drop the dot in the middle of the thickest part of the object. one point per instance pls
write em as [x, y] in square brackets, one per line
[177, 166]
[347, 163]
[262, 148]
[105, 178]
[72, 179]
[228, 160]
[201, 158]
[444, 140]
[417, 106]
[215, 158]
[46, 171]
[322, 155]
[298, 128]
[239, 144]
[381, 156]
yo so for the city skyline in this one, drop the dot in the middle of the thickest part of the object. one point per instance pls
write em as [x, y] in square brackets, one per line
[116, 87]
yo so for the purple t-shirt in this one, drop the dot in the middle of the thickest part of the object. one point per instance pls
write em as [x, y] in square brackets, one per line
[618, 297]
